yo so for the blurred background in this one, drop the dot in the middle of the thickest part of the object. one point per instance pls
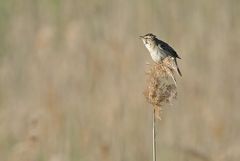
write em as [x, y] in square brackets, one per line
[72, 76]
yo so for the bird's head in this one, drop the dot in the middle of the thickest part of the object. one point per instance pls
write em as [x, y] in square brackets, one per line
[149, 40]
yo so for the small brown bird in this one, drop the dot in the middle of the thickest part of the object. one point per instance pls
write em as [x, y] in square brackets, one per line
[159, 49]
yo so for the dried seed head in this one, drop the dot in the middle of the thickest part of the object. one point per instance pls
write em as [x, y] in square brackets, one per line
[161, 87]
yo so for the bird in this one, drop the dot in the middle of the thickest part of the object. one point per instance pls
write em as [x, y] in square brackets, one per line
[159, 50]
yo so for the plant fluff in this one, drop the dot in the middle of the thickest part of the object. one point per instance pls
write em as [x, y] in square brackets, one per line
[161, 86]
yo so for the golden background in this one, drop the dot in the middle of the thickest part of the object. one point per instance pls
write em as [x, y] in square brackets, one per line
[72, 76]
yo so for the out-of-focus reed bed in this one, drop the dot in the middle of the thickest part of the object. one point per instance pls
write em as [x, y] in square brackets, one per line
[79, 63]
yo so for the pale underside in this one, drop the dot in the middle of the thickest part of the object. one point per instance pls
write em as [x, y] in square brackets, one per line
[156, 53]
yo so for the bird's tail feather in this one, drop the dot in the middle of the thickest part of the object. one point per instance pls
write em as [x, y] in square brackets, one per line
[178, 70]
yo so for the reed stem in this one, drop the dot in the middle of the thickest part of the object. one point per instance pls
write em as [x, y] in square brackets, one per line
[154, 135]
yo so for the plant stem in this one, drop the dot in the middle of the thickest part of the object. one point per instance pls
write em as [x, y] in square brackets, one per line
[154, 135]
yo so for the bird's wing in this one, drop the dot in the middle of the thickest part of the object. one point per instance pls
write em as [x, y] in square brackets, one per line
[164, 46]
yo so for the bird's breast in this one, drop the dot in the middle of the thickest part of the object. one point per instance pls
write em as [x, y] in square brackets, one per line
[156, 56]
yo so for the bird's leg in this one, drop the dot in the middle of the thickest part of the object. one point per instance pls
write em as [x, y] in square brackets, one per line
[171, 75]
[173, 79]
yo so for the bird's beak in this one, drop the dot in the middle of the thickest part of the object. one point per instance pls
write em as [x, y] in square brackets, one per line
[141, 37]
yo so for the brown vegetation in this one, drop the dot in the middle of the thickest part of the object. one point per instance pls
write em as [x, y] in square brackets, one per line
[161, 87]
[77, 67]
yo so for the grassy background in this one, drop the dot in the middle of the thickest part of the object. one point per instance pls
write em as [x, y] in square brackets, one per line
[72, 75]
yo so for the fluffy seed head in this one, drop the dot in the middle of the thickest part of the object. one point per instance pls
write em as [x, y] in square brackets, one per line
[161, 89]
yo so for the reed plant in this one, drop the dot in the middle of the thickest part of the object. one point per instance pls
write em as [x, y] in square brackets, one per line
[161, 89]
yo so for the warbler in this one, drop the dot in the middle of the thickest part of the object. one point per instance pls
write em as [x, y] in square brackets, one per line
[159, 50]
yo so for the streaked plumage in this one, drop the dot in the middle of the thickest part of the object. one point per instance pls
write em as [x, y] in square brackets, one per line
[159, 49]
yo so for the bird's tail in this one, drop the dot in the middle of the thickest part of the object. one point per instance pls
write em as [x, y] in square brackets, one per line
[178, 70]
